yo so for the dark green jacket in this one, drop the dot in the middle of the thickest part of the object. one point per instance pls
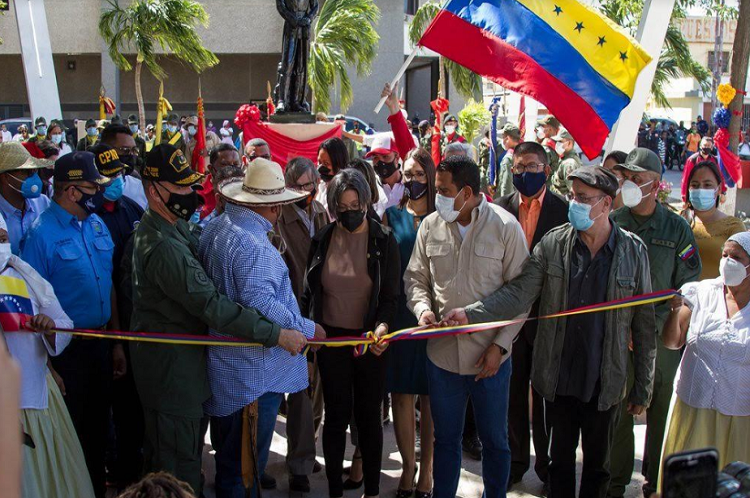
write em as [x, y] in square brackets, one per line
[546, 275]
[173, 294]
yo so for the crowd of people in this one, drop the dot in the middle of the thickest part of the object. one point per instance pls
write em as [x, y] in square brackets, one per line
[122, 234]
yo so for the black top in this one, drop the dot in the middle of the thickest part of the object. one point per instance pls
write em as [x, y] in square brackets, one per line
[581, 360]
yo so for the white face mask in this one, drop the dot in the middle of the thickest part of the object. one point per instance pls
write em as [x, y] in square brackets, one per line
[560, 148]
[444, 207]
[632, 195]
[540, 134]
[450, 129]
[732, 272]
[5, 255]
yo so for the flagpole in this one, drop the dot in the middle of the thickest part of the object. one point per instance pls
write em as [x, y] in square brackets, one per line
[398, 76]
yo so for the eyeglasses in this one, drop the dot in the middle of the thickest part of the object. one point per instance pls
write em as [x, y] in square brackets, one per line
[530, 167]
[419, 175]
[253, 157]
[305, 186]
[584, 199]
[127, 151]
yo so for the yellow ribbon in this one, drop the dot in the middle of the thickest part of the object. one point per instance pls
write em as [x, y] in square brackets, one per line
[162, 107]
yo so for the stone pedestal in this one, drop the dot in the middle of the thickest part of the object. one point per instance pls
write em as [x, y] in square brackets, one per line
[293, 117]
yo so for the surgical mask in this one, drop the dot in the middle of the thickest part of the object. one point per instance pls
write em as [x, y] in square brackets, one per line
[450, 129]
[579, 215]
[182, 205]
[133, 129]
[540, 134]
[56, 139]
[31, 187]
[192, 131]
[444, 207]
[41, 131]
[91, 203]
[384, 170]
[732, 272]
[415, 189]
[172, 128]
[5, 254]
[351, 220]
[632, 195]
[528, 183]
[560, 148]
[115, 189]
[91, 131]
[703, 199]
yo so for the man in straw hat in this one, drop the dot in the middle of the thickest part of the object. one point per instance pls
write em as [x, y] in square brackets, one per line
[172, 294]
[243, 263]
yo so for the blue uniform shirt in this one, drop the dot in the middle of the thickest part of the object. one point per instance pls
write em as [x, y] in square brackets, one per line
[19, 222]
[76, 258]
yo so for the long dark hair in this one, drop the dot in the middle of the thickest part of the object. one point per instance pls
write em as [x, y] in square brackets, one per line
[336, 150]
[422, 157]
[366, 169]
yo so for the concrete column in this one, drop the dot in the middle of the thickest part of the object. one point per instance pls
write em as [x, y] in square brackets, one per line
[111, 73]
[36, 52]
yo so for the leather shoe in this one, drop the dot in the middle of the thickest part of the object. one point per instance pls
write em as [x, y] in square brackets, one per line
[299, 483]
[473, 446]
[317, 467]
[267, 481]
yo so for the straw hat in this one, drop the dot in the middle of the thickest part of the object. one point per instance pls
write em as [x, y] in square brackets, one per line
[263, 185]
[14, 156]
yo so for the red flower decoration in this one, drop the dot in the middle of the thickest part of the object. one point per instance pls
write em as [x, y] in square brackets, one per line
[246, 113]
[721, 137]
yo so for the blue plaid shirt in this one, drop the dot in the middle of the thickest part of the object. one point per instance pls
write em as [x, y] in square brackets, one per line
[247, 268]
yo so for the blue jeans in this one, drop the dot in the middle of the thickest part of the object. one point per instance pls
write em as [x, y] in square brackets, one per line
[449, 393]
[226, 438]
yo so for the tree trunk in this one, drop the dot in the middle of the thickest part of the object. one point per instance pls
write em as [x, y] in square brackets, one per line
[741, 53]
[139, 97]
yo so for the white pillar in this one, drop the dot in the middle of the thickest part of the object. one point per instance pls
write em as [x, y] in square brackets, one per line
[651, 33]
[532, 113]
[38, 66]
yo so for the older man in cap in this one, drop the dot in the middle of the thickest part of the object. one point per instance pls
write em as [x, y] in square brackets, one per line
[243, 264]
[71, 248]
[504, 177]
[674, 262]
[569, 162]
[173, 294]
[92, 136]
[21, 197]
[172, 133]
[579, 363]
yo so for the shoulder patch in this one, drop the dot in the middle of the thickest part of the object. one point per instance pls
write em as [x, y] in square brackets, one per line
[687, 252]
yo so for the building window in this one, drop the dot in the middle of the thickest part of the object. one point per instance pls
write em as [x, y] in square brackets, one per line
[411, 6]
[724, 62]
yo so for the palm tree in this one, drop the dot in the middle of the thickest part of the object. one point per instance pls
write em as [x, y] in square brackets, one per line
[147, 25]
[345, 36]
[467, 83]
[675, 60]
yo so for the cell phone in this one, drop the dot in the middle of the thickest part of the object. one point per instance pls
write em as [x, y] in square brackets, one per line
[691, 474]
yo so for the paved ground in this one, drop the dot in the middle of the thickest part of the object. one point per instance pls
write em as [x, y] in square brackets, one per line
[470, 485]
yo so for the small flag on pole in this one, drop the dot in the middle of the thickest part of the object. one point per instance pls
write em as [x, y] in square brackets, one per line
[198, 161]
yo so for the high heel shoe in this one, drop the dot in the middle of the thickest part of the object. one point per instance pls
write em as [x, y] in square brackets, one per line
[406, 493]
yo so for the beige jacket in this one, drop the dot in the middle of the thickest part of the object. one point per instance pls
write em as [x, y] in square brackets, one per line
[446, 273]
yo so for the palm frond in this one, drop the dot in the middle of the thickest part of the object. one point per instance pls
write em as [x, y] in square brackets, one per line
[345, 36]
[421, 19]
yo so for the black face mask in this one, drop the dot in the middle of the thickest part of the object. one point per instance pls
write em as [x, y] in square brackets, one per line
[91, 203]
[351, 220]
[130, 161]
[416, 190]
[182, 205]
[325, 173]
[384, 170]
[305, 203]
[706, 152]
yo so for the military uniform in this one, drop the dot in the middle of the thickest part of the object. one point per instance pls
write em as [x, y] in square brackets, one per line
[87, 142]
[173, 294]
[174, 139]
[569, 162]
[673, 254]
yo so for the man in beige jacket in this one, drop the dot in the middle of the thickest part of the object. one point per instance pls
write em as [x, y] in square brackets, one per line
[463, 252]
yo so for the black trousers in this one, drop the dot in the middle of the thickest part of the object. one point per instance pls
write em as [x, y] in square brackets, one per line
[570, 418]
[86, 368]
[352, 385]
[127, 416]
[518, 416]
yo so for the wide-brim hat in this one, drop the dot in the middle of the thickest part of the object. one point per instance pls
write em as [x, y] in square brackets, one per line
[263, 185]
[14, 156]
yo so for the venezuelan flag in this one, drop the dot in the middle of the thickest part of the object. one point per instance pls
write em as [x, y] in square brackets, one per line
[576, 62]
[15, 304]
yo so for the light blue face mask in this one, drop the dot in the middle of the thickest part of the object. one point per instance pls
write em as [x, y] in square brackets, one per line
[91, 131]
[703, 199]
[579, 215]
[133, 129]
[171, 128]
[115, 189]
[41, 131]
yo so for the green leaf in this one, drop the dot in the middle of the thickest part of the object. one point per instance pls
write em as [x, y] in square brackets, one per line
[471, 119]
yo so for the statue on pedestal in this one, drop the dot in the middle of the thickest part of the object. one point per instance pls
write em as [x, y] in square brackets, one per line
[291, 86]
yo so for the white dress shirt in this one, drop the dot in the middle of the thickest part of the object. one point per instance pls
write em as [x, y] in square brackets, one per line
[715, 369]
[133, 188]
[31, 349]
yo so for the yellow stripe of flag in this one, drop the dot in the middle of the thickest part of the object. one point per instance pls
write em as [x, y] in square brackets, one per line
[612, 52]
[13, 286]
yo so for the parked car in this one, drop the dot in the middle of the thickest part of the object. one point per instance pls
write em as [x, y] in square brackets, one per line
[12, 124]
[369, 130]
